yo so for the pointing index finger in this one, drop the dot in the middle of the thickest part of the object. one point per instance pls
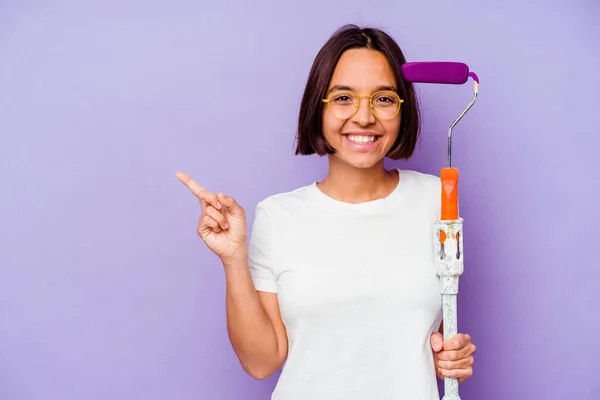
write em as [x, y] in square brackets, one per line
[204, 195]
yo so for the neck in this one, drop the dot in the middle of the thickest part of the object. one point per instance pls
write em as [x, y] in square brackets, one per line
[357, 185]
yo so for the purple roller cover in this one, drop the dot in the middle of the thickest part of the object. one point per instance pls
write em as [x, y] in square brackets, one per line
[446, 72]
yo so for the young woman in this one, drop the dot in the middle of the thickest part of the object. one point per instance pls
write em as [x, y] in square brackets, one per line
[337, 283]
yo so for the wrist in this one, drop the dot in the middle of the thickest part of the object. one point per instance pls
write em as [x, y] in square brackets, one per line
[237, 259]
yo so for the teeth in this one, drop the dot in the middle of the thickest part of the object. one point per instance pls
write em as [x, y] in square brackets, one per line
[361, 139]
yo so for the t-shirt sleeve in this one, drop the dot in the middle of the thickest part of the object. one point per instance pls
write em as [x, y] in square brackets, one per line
[260, 258]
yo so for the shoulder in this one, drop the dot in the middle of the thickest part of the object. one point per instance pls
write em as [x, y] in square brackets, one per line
[424, 190]
[286, 202]
[421, 181]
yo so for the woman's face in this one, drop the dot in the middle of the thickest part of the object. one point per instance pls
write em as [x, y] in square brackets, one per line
[363, 140]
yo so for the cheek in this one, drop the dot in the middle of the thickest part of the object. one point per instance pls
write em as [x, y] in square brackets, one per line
[332, 126]
[392, 129]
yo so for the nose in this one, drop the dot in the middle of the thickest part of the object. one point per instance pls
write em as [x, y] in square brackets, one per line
[364, 116]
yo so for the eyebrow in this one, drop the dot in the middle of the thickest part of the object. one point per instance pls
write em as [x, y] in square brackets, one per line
[378, 88]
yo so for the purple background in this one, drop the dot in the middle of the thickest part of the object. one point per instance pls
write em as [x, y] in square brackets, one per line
[106, 292]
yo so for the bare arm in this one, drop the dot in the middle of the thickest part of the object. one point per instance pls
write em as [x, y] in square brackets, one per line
[254, 323]
[255, 328]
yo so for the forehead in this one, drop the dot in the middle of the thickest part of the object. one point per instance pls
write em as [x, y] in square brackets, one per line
[363, 69]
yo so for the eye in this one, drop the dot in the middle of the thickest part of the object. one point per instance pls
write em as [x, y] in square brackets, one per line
[343, 98]
[386, 99]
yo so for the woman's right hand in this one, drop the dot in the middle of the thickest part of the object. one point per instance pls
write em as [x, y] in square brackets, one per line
[222, 224]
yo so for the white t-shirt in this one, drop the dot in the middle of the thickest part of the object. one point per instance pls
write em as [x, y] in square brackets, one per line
[357, 290]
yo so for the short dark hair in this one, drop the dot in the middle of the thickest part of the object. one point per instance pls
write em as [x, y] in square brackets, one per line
[310, 137]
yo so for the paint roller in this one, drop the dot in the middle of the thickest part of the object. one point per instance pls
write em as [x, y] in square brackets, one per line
[448, 234]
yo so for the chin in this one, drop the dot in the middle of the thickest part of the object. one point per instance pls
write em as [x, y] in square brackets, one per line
[361, 162]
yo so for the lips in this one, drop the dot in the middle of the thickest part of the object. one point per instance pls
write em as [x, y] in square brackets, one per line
[362, 141]
[362, 137]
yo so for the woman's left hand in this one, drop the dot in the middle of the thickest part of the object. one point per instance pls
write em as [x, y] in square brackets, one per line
[453, 357]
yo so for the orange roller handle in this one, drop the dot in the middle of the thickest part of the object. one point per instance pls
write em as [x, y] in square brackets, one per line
[449, 179]
[449, 212]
